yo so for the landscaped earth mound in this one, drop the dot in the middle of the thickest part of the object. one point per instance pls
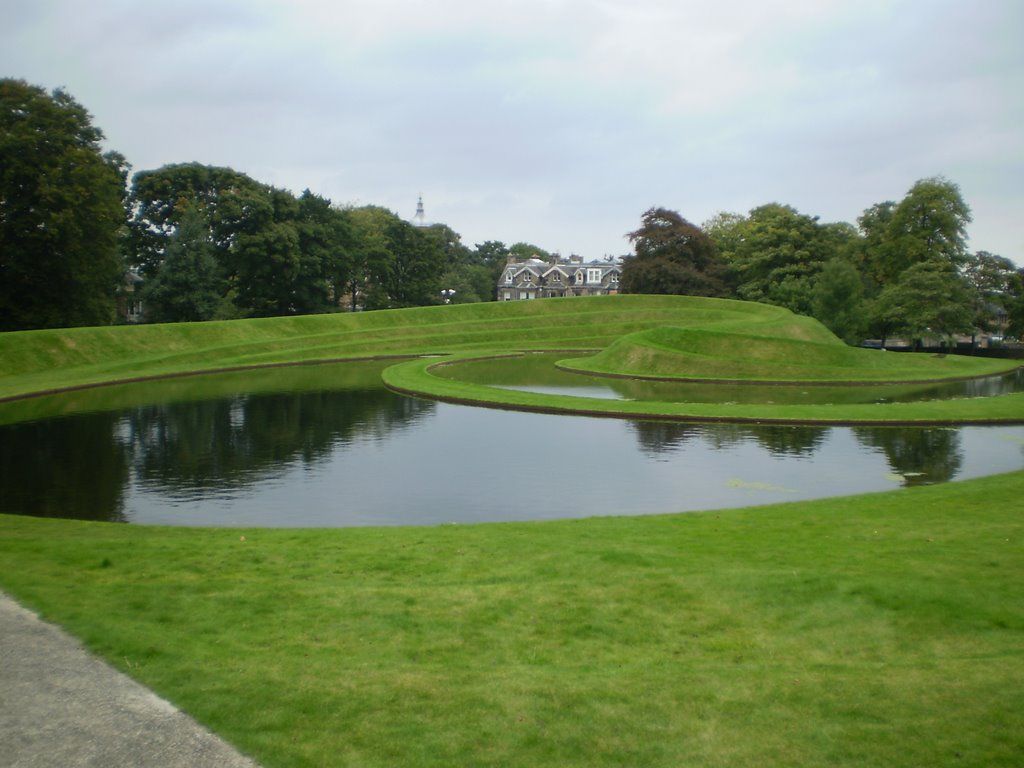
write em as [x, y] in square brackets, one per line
[669, 337]
[800, 350]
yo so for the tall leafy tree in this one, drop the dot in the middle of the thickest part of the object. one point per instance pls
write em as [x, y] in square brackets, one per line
[673, 256]
[61, 211]
[874, 258]
[929, 299]
[838, 299]
[159, 198]
[1015, 306]
[928, 224]
[776, 254]
[325, 241]
[187, 286]
[395, 263]
[992, 279]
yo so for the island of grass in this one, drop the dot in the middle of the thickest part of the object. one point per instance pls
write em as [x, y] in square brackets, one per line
[729, 342]
[665, 337]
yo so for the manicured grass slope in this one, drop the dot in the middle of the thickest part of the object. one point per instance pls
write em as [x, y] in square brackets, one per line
[799, 349]
[668, 336]
[40, 360]
[882, 630]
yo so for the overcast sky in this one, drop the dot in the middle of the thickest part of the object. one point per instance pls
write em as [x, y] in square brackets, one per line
[557, 122]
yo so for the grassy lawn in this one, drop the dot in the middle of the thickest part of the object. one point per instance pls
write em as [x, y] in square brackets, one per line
[881, 630]
[414, 377]
[673, 336]
[34, 361]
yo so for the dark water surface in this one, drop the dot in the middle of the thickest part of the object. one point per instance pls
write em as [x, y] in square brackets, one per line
[536, 372]
[326, 446]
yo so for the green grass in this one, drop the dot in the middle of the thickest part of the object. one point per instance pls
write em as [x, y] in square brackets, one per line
[668, 336]
[34, 361]
[803, 351]
[414, 377]
[881, 630]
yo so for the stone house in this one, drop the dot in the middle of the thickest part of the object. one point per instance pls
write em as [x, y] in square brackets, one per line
[539, 279]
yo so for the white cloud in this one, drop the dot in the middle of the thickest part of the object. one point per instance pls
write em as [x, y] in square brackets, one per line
[557, 121]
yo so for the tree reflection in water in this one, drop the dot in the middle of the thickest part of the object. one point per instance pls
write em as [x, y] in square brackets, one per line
[920, 455]
[235, 442]
[67, 467]
[659, 437]
[323, 445]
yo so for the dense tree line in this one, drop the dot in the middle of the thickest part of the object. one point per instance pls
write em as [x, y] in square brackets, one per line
[211, 242]
[903, 270]
[207, 242]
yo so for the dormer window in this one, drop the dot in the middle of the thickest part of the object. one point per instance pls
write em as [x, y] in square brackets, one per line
[579, 276]
[508, 276]
[528, 277]
[593, 276]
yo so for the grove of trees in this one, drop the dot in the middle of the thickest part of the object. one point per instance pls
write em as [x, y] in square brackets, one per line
[208, 242]
[904, 270]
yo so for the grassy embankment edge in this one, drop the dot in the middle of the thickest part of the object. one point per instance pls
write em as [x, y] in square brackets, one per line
[34, 362]
[876, 630]
[38, 362]
[414, 378]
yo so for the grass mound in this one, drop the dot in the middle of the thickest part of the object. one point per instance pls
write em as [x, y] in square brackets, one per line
[34, 361]
[794, 349]
[638, 336]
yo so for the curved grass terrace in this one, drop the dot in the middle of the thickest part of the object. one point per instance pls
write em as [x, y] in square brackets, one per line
[643, 337]
[869, 631]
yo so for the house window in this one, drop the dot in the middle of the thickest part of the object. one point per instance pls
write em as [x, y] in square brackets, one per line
[614, 279]
[528, 278]
[508, 276]
[593, 275]
[556, 278]
[579, 276]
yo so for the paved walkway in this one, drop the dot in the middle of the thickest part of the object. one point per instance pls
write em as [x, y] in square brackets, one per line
[62, 707]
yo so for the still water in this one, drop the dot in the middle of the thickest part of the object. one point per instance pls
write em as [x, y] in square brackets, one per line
[326, 446]
[536, 372]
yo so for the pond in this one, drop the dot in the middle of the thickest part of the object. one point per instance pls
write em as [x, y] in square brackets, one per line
[536, 372]
[326, 446]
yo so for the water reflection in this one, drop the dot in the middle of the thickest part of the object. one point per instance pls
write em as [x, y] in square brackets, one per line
[329, 447]
[70, 468]
[536, 372]
[665, 437]
[233, 442]
[919, 456]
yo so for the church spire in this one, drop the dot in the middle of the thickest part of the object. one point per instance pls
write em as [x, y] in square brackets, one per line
[419, 220]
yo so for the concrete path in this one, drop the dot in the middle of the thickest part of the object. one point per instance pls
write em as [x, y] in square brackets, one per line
[62, 707]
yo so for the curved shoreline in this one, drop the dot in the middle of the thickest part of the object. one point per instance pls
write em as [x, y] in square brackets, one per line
[699, 419]
[414, 379]
[784, 382]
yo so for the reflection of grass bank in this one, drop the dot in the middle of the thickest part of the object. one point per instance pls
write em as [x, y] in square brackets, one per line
[875, 630]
